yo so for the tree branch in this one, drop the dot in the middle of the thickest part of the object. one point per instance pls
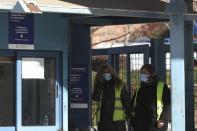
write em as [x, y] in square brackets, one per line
[93, 44]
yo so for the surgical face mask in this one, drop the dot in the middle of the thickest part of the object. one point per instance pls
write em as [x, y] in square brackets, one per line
[144, 77]
[107, 76]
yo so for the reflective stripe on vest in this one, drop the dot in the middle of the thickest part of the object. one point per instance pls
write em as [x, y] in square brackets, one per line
[118, 108]
[160, 86]
[98, 113]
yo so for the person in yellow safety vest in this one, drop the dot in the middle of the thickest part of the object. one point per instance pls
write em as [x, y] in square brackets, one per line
[113, 100]
[150, 102]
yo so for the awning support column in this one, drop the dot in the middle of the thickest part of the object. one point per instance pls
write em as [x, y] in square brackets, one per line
[181, 73]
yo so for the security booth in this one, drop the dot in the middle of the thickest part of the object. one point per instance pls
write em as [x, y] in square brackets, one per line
[45, 68]
[31, 79]
[33, 52]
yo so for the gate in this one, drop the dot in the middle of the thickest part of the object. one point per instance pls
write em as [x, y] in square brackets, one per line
[126, 61]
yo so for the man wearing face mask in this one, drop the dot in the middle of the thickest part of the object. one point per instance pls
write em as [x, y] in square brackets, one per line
[151, 102]
[113, 100]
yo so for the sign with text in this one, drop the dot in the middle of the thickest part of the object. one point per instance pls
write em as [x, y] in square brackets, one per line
[79, 86]
[21, 31]
[195, 28]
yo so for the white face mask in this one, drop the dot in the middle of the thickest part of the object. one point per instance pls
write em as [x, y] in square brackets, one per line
[144, 77]
[107, 76]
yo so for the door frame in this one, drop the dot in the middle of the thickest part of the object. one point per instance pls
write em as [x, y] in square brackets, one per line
[10, 53]
[18, 86]
[58, 92]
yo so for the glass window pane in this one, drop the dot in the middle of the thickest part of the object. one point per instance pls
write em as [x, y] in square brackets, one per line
[38, 92]
[7, 108]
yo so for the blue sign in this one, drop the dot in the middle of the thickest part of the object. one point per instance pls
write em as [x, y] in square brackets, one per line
[195, 27]
[21, 28]
[79, 84]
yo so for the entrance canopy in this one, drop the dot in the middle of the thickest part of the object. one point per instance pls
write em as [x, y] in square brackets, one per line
[150, 5]
[95, 7]
[100, 8]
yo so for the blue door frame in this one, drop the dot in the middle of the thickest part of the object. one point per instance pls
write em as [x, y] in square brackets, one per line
[58, 86]
[9, 53]
[18, 92]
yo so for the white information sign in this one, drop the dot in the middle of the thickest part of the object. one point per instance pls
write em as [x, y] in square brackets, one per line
[33, 68]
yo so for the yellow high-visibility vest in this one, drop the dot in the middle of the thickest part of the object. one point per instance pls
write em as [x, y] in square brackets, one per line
[118, 108]
[160, 86]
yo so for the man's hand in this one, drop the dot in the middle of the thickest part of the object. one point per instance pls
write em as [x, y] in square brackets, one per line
[160, 124]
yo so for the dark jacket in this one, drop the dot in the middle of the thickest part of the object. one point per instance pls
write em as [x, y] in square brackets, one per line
[107, 89]
[146, 107]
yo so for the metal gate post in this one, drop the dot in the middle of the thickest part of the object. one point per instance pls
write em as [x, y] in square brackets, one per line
[158, 57]
[128, 72]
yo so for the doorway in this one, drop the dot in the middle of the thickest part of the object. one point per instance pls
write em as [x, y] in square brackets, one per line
[32, 98]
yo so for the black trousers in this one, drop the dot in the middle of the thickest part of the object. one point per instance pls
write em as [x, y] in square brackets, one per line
[150, 127]
[114, 126]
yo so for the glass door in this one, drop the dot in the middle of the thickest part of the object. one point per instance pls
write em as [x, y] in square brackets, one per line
[7, 93]
[38, 91]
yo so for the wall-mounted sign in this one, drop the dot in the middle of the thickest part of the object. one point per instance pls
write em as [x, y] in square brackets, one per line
[21, 31]
[79, 86]
[195, 27]
[195, 31]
